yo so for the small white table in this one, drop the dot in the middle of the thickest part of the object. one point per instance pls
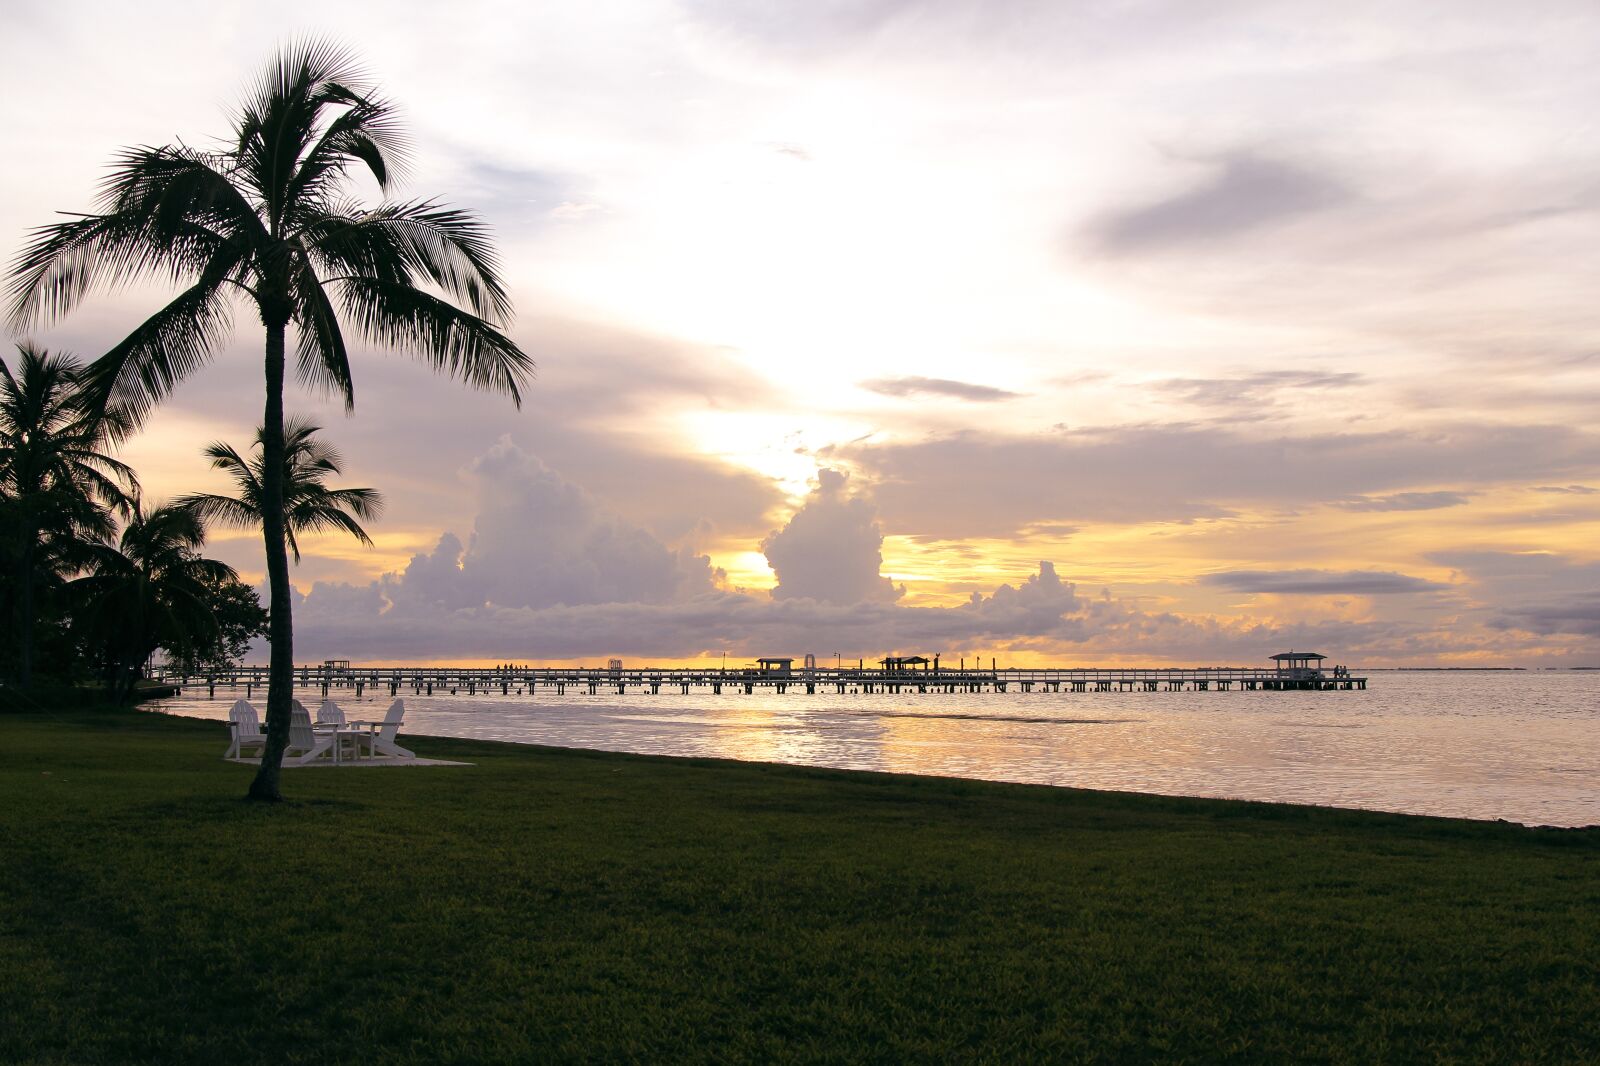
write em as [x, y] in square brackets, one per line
[341, 733]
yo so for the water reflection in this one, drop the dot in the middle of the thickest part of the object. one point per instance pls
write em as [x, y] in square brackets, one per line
[1517, 746]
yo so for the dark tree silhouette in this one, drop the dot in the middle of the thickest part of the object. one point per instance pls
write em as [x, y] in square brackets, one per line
[268, 223]
[309, 505]
[153, 590]
[58, 487]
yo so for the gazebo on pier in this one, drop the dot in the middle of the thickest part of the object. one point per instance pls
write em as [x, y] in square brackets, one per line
[775, 666]
[1299, 665]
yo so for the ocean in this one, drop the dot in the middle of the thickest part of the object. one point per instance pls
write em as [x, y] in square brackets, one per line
[1522, 746]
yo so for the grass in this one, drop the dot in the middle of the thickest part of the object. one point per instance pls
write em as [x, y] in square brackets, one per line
[549, 905]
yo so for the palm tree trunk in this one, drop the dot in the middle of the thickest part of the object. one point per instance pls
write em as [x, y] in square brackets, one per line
[280, 631]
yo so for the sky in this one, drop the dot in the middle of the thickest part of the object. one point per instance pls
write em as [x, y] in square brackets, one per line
[1064, 333]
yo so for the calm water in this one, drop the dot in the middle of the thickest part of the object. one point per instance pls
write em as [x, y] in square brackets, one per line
[1520, 746]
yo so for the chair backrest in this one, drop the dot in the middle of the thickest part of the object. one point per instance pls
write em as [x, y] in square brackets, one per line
[300, 733]
[392, 720]
[242, 716]
[330, 713]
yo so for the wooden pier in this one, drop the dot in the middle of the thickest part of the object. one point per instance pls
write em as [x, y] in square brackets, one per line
[560, 681]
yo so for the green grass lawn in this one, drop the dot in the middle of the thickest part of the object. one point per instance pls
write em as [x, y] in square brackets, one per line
[551, 905]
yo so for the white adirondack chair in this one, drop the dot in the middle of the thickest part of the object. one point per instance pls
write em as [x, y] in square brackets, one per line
[244, 727]
[330, 713]
[305, 746]
[380, 741]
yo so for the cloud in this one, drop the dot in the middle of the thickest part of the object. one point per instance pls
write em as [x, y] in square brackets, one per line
[1570, 490]
[1404, 501]
[1320, 582]
[916, 386]
[1036, 606]
[1523, 569]
[539, 541]
[1247, 192]
[1573, 615]
[1544, 593]
[380, 621]
[1042, 614]
[1254, 389]
[390, 620]
[1153, 473]
[831, 550]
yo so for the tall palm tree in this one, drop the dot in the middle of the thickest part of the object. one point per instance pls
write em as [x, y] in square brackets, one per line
[57, 484]
[153, 590]
[308, 504]
[268, 223]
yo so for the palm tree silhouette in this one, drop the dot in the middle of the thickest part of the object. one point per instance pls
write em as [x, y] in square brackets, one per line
[308, 504]
[57, 484]
[267, 223]
[153, 590]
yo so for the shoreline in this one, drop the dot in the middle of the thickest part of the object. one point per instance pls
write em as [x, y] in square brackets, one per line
[1198, 782]
[906, 775]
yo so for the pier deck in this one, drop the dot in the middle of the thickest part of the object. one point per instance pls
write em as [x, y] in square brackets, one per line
[401, 680]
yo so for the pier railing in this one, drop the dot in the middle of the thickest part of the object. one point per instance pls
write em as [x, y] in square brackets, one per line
[520, 680]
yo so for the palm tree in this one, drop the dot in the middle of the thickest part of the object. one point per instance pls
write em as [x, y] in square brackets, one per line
[268, 223]
[308, 504]
[57, 484]
[153, 590]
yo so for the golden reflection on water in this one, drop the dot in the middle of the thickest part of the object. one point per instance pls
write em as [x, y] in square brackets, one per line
[1524, 747]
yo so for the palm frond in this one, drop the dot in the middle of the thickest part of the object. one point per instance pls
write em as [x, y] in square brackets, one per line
[322, 361]
[364, 503]
[445, 336]
[170, 214]
[288, 147]
[444, 245]
[163, 350]
[180, 194]
[365, 132]
[318, 519]
[222, 510]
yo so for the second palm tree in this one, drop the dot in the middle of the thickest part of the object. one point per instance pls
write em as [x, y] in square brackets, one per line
[309, 505]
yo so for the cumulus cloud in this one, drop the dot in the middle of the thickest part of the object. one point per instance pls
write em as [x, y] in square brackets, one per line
[1320, 582]
[831, 550]
[916, 386]
[546, 573]
[495, 597]
[539, 541]
[386, 619]
[1036, 606]
[1041, 614]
